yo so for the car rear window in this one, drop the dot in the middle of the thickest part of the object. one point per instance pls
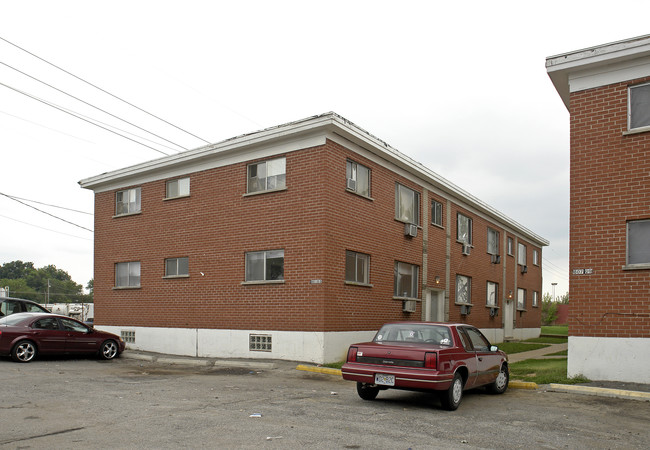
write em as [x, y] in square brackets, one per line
[430, 334]
[12, 319]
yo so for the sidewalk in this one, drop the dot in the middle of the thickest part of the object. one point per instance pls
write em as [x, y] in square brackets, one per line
[541, 353]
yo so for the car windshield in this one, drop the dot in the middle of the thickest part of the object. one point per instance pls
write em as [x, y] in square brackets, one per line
[417, 333]
[12, 319]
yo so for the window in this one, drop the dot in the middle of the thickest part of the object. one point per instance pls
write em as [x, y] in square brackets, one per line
[479, 342]
[407, 205]
[178, 188]
[492, 241]
[71, 325]
[535, 299]
[267, 175]
[47, 324]
[521, 299]
[639, 106]
[521, 254]
[265, 266]
[358, 178]
[436, 213]
[464, 229]
[260, 343]
[406, 280]
[492, 298]
[127, 274]
[535, 257]
[638, 242]
[127, 201]
[463, 289]
[357, 267]
[511, 246]
[177, 267]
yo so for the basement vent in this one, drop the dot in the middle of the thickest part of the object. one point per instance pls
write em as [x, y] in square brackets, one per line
[128, 336]
[259, 342]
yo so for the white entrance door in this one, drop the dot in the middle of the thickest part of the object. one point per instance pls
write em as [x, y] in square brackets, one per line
[508, 311]
[434, 306]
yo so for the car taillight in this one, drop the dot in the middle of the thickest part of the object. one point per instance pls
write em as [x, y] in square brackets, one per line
[352, 354]
[431, 360]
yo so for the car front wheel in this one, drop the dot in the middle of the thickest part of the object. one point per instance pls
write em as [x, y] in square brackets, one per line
[108, 350]
[367, 391]
[24, 351]
[501, 383]
[451, 398]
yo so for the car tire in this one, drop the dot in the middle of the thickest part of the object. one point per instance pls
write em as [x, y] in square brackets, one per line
[452, 397]
[501, 383]
[108, 349]
[24, 351]
[367, 391]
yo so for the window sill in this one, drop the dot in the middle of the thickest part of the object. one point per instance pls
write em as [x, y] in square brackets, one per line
[636, 131]
[642, 266]
[173, 277]
[437, 226]
[257, 283]
[175, 198]
[464, 304]
[406, 298]
[354, 283]
[122, 288]
[492, 306]
[522, 309]
[127, 214]
[268, 191]
[360, 195]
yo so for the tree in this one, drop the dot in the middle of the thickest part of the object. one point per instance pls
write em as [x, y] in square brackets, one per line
[549, 310]
[41, 282]
[16, 269]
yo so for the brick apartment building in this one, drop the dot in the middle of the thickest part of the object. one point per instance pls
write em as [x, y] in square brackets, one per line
[607, 92]
[295, 241]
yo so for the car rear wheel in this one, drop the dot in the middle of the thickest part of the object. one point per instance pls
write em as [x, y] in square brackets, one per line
[108, 350]
[24, 351]
[367, 391]
[451, 398]
[501, 383]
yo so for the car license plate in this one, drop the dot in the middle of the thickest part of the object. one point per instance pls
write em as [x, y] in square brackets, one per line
[384, 380]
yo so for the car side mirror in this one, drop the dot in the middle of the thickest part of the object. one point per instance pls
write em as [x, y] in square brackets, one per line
[494, 348]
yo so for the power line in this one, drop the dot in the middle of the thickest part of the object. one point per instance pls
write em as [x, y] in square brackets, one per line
[44, 212]
[47, 204]
[91, 105]
[102, 90]
[46, 229]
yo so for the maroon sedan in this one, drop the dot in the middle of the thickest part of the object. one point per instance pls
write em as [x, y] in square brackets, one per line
[24, 335]
[426, 356]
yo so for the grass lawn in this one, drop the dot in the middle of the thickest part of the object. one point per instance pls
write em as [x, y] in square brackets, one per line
[518, 347]
[549, 340]
[562, 353]
[543, 371]
[556, 329]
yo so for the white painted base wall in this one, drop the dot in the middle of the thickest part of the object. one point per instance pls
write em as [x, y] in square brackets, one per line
[496, 335]
[314, 347]
[610, 359]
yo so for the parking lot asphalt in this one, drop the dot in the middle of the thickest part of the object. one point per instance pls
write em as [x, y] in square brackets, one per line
[614, 389]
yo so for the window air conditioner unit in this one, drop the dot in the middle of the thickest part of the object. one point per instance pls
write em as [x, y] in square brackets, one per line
[465, 310]
[467, 249]
[494, 312]
[410, 230]
[524, 269]
[352, 184]
[409, 306]
[495, 259]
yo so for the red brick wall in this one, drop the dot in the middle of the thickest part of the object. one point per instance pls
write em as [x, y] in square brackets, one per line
[610, 184]
[315, 220]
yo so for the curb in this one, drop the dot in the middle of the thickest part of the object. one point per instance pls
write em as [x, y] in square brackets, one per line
[315, 369]
[601, 392]
[515, 384]
[198, 362]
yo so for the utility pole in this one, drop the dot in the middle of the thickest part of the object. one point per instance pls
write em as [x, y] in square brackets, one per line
[553, 284]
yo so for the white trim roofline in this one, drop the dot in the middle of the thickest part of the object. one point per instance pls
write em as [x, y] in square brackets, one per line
[603, 58]
[295, 131]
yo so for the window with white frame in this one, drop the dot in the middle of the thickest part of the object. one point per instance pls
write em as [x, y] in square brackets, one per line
[463, 289]
[535, 257]
[406, 280]
[638, 242]
[177, 267]
[265, 265]
[267, 175]
[511, 246]
[127, 274]
[177, 188]
[436, 213]
[492, 241]
[521, 299]
[521, 254]
[357, 267]
[358, 178]
[127, 201]
[492, 297]
[639, 106]
[535, 299]
[464, 229]
[407, 205]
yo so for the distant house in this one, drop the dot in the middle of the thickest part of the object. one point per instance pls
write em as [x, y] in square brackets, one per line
[295, 241]
[607, 92]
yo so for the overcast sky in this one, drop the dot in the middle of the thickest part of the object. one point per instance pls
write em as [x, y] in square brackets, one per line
[460, 87]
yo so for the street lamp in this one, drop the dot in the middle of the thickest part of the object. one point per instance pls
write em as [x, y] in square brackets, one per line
[553, 284]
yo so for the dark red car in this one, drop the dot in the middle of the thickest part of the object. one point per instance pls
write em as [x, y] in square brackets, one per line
[25, 335]
[427, 356]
